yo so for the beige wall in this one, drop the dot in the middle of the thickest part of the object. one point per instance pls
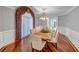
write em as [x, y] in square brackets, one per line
[7, 26]
[7, 19]
[70, 20]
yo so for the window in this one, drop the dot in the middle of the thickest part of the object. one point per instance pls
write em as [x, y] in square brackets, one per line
[53, 23]
[27, 24]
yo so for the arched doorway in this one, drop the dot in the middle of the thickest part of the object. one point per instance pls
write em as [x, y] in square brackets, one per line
[23, 10]
[26, 25]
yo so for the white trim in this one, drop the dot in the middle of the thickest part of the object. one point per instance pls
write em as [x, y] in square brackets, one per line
[7, 37]
[71, 9]
[10, 7]
[71, 34]
[1, 40]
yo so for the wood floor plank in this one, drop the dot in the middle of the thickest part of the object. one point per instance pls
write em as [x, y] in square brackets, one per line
[63, 45]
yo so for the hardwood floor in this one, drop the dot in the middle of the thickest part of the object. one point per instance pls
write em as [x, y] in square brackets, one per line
[63, 45]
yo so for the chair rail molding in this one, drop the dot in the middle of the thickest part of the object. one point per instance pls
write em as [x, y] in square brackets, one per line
[7, 37]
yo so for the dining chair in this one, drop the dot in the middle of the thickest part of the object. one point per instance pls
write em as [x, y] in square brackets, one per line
[37, 42]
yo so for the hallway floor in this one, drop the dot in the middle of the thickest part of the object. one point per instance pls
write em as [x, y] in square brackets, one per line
[63, 45]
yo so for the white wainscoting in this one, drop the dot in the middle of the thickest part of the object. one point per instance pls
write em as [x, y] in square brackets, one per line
[1, 40]
[71, 34]
[7, 37]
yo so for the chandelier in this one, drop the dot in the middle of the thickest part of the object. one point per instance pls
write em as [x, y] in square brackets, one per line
[44, 16]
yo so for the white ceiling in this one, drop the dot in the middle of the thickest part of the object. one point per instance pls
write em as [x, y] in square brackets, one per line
[50, 10]
[53, 10]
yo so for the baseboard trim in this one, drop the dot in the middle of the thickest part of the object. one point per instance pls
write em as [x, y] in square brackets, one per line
[7, 37]
[71, 34]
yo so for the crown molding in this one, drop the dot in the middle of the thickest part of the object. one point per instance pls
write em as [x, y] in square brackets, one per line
[10, 7]
[65, 13]
[68, 11]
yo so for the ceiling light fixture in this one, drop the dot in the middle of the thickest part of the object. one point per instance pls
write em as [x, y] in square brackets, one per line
[44, 16]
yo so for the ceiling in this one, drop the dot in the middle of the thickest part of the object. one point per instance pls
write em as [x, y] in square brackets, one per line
[50, 10]
[53, 10]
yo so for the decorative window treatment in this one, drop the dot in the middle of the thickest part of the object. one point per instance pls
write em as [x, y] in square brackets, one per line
[19, 12]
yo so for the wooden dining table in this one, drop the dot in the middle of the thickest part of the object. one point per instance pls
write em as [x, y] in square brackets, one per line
[43, 35]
